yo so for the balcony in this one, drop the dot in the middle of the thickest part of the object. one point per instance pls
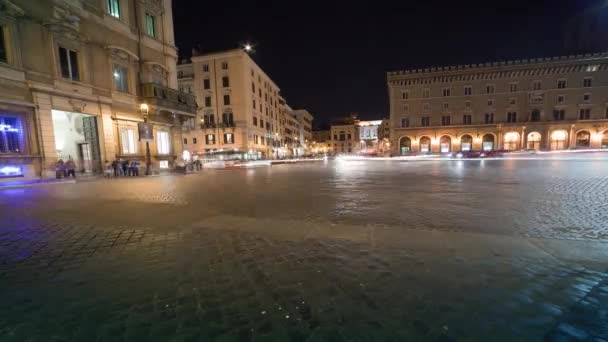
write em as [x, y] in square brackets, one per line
[167, 99]
[223, 125]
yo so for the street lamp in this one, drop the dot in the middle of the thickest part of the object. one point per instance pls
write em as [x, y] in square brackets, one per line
[144, 111]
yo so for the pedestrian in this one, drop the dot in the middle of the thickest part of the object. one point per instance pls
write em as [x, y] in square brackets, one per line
[135, 165]
[59, 169]
[70, 168]
[108, 169]
[125, 167]
[115, 167]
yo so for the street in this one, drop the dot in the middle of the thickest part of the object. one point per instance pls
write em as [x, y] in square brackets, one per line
[334, 251]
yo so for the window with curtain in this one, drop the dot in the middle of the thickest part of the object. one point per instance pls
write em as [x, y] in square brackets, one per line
[162, 142]
[121, 78]
[150, 25]
[128, 141]
[114, 8]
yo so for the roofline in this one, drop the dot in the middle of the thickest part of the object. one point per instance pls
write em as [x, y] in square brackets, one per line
[493, 65]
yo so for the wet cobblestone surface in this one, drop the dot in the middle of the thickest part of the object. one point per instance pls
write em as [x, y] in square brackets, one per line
[355, 251]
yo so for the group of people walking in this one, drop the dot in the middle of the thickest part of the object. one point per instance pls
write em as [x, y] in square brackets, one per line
[118, 168]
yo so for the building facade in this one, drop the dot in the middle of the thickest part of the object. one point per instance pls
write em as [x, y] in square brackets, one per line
[321, 142]
[368, 136]
[239, 106]
[73, 77]
[540, 104]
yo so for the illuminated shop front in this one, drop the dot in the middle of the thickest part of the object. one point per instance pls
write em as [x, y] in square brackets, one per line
[14, 159]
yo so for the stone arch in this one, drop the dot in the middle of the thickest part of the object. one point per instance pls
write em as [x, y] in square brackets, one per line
[511, 141]
[405, 145]
[466, 142]
[583, 139]
[425, 144]
[559, 139]
[445, 144]
[488, 142]
[533, 140]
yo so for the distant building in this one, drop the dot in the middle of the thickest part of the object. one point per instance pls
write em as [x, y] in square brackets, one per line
[368, 136]
[539, 104]
[321, 141]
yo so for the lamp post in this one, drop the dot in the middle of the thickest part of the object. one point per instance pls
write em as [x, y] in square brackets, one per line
[144, 111]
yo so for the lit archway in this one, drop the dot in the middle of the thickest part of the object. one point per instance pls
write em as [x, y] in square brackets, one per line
[405, 145]
[558, 140]
[445, 144]
[583, 139]
[425, 145]
[487, 142]
[533, 141]
[604, 139]
[511, 141]
[466, 143]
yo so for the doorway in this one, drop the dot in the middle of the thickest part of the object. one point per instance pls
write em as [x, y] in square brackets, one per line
[76, 138]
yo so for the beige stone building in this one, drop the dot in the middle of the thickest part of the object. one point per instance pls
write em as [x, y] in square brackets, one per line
[539, 104]
[73, 76]
[345, 135]
[321, 141]
[238, 106]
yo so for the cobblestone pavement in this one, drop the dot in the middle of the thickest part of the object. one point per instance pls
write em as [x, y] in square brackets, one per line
[345, 251]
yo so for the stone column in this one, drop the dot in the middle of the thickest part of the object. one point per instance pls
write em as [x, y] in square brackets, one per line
[107, 139]
[522, 139]
[47, 135]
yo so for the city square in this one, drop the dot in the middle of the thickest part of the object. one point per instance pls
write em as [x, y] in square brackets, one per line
[329, 251]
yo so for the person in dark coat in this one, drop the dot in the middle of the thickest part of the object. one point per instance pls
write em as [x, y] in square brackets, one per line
[125, 167]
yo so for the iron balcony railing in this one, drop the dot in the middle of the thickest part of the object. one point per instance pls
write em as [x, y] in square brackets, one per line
[168, 99]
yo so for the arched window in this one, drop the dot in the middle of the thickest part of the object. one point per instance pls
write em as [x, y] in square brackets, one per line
[445, 144]
[466, 143]
[487, 142]
[425, 145]
[511, 141]
[405, 145]
[533, 141]
[558, 140]
[583, 139]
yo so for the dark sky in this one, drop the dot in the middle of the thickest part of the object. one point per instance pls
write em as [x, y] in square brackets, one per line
[331, 57]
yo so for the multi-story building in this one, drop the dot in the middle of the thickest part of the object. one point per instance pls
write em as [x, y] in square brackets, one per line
[77, 77]
[321, 141]
[548, 104]
[368, 136]
[305, 132]
[239, 106]
[345, 135]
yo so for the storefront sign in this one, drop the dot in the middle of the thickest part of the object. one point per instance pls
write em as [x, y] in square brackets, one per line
[8, 128]
[146, 131]
[11, 171]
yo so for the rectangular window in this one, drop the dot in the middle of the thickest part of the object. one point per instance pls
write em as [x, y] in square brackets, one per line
[162, 142]
[255, 121]
[561, 84]
[426, 93]
[114, 8]
[467, 104]
[513, 87]
[185, 141]
[121, 79]
[128, 141]
[466, 119]
[253, 87]
[489, 118]
[511, 117]
[587, 97]
[405, 95]
[226, 100]
[584, 114]
[194, 140]
[224, 65]
[3, 54]
[446, 120]
[225, 82]
[446, 91]
[490, 89]
[150, 25]
[559, 115]
[261, 123]
[68, 61]
[206, 84]
[210, 139]
[561, 99]
[205, 67]
[536, 85]
[228, 138]
[207, 101]
[587, 82]
[512, 101]
[446, 106]
[405, 122]
[11, 134]
[425, 121]
[468, 90]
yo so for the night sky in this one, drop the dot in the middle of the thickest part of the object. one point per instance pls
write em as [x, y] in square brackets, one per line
[331, 57]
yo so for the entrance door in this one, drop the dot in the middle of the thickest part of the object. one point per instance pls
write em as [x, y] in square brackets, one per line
[89, 125]
[85, 157]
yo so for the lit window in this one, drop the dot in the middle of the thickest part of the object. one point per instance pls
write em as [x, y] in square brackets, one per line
[228, 138]
[68, 61]
[121, 80]
[114, 8]
[127, 140]
[210, 139]
[11, 134]
[150, 25]
[162, 142]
